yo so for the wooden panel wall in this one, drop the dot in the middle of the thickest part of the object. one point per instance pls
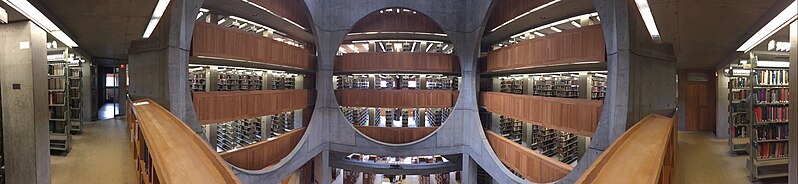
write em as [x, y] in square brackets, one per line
[221, 42]
[223, 106]
[505, 10]
[584, 44]
[294, 10]
[531, 165]
[579, 116]
[263, 154]
[396, 22]
[398, 62]
[396, 135]
[396, 98]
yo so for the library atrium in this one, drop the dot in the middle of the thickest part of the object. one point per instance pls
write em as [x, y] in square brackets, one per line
[398, 91]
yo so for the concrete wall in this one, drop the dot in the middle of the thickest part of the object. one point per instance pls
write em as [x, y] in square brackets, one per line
[26, 141]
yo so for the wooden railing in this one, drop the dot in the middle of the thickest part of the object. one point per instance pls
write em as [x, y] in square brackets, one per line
[579, 116]
[223, 106]
[529, 164]
[396, 135]
[396, 98]
[266, 153]
[644, 154]
[416, 62]
[574, 46]
[213, 41]
[168, 151]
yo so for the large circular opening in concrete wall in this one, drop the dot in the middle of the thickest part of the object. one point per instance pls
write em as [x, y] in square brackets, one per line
[396, 79]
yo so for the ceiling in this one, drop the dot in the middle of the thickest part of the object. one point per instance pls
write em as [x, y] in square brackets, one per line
[705, 32]
[102, 29]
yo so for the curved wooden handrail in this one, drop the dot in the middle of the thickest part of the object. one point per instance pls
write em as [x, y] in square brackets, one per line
[400, 98]
[529, 164]
[578, 116]
[644, 154]
[266, 153]
[168, 151]
[380, 62]
[396, 135]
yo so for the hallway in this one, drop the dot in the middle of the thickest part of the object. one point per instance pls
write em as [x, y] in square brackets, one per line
[101, 154]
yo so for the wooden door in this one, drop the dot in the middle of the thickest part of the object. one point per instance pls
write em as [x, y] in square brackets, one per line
[699, 100]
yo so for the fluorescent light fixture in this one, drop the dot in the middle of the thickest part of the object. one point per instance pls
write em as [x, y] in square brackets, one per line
[274, 14]
[774, 64]
[383, 47]
[560, 22]
[160, 8]
[648, 19]
[221, 21]
[204, 10]
[429, 46]
[25, 8]
[444, 47]
[576, 24]
[538, 33]
[413, 49]
[555, 29]
[525, 14]
[778, 22]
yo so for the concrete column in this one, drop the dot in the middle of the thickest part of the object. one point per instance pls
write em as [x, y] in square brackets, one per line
[86, 94]
[373, 119]
[641, 78]
[23, 76]
[422, 117]
[122, 89]
[266, 127]
[298, 118]
[321, 167]
[722, 106]
[159, 64]
[469, 173]
[793, 125]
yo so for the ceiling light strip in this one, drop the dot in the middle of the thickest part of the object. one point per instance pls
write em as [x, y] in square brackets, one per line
[25, 8]
[563, 21]
[525, 14]
[157, 13]
[648, 20]
[782, 19]
[274, 14]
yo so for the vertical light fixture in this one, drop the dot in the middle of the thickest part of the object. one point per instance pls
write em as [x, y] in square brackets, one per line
[782, 19]
[157, 13]
[25, 8]
[648, 20]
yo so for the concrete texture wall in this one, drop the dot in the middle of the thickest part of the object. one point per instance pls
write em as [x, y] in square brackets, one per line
[641, 79]
[157, 65]
[26, 140]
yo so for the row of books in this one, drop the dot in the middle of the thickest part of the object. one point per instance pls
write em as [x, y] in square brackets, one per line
[738, 131]
[771, 132]
[770, 150]
[738, 82]
[772, 95]
[771, 113]
[739, 95]
[772, 77]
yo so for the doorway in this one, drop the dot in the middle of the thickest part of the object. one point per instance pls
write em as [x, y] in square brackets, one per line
[699, 100]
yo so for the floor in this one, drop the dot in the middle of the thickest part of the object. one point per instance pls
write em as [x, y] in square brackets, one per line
[108, 110]
[702, 159]
[100, 154]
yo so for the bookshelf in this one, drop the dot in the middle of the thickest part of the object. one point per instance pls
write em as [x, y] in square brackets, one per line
[356, 115]
[598, 85]
[352, 81]
[442, 82]
[768, 109]
[567, 85]
[511, 129]
[58, 93]
[739, 89]
[198, 78]
[547, 141]
[75, 101]
[281, 123]
[513, 84]
[567, 148]
[544, 85]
